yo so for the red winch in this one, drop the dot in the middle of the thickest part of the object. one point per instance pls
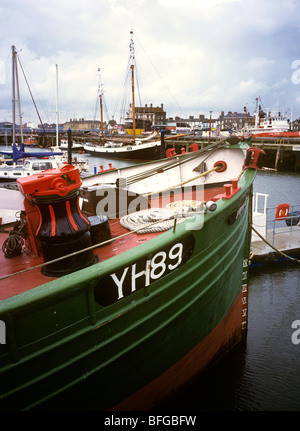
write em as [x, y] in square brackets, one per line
[62, 229]
[60, 181]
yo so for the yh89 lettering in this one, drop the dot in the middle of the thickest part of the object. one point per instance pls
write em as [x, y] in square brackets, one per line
[143, 273]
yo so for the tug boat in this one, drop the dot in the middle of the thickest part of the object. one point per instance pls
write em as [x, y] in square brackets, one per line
[119, 288]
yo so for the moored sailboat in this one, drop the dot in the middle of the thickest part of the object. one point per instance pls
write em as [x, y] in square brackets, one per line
[130, 148]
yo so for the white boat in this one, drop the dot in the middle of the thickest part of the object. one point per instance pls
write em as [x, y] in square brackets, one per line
[75, 146]
[272, 125]
[36, 164]
[30, 166]
[23, 163]
[80, 162]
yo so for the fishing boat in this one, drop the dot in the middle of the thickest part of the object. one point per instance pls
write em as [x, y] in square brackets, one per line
[271, 125]
[119, 288]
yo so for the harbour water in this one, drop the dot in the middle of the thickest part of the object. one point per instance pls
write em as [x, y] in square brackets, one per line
[262, 373]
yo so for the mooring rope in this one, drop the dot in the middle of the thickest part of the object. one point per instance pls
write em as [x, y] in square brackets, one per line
[274, 248]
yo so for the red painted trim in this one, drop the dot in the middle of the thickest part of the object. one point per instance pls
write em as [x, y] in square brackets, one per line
[80, 213]
[72, 221]
[224, 336]
[53, 221]
[40, 221]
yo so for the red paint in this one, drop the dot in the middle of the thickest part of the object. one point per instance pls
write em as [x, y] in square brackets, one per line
[170, 152]
[61, 182]
[222, 166]
[282, 211]
[53, 221]
[80, 213]
[230, 190]
[194, 147]
[72, 221]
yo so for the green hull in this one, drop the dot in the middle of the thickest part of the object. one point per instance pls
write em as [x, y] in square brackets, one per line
[65, 351]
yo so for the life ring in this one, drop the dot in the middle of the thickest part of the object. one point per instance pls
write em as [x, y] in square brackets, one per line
[282, 211]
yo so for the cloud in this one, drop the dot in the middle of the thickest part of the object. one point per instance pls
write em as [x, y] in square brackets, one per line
[192, 56]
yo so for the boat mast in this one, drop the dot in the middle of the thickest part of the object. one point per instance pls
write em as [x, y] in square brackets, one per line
[19, 98]
[100, 94]
[257, 109]
[131, 46]
[13, 95]
[101, 116]
[56, 105]
[101, 105]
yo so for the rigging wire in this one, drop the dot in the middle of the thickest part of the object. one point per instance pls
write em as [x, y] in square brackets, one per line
[26, 80]
[126, 86]
[100, 92]
[163, 81]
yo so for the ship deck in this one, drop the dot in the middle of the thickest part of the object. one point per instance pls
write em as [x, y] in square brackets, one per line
[23, 272]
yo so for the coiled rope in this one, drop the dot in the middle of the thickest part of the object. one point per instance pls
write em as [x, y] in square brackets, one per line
[163, 217]
[12, 246]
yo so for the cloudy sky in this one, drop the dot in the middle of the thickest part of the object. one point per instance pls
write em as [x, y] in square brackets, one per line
[194, 56]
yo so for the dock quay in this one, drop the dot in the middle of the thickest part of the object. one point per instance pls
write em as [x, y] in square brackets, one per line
[285, 242]
[275, 233]
[281, 154]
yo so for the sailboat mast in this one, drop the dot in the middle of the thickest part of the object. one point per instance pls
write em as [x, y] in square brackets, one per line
[19, 98]
[101, 116]
[133, 105]
[132, 82]
[100, 92]
[13, 95]
[56, 105]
